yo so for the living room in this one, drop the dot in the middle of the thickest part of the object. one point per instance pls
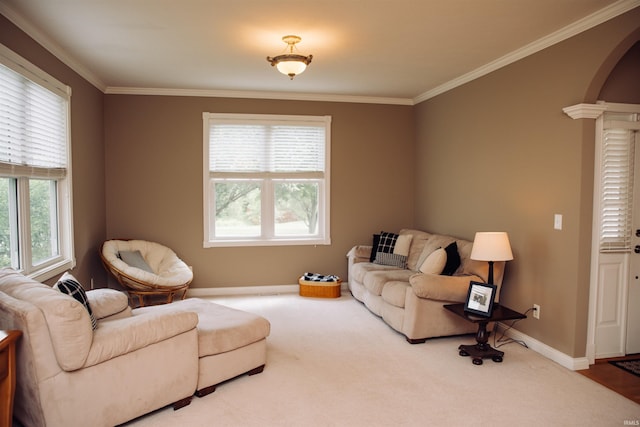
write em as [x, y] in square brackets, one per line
[494, 153]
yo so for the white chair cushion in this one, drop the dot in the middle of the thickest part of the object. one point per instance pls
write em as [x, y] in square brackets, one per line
[169, 270]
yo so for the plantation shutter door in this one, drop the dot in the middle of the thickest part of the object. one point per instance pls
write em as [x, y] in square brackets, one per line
[618, 152]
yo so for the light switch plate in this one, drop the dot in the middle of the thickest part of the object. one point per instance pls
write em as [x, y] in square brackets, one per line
[557, 221]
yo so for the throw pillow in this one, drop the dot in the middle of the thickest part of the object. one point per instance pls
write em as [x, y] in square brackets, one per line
[374, 249]
[385, 251]
[435, 262]
[135, 259]
[403, 243]
[387, 242]
[453, 259]
[67, 284]
[394, 260]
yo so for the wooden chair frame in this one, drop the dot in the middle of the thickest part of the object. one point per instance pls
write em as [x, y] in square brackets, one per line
[138, 289]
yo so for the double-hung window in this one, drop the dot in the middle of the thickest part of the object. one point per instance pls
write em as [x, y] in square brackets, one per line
[266, 179]
[36, 235]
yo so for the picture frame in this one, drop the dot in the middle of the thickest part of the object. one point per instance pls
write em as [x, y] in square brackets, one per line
[480, 298]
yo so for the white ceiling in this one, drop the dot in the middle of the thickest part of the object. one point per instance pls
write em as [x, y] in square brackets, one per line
[400, 51]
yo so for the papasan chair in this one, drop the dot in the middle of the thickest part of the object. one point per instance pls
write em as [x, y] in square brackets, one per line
[146, 269]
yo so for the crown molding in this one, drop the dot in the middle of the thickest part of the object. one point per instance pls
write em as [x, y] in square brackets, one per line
[593, 111]
[596, 18]
[51, 46]
[287, 96]
[584, 24]
[585, 111]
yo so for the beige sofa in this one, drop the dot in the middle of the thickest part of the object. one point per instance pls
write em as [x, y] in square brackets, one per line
[411, 302]
[133, 362]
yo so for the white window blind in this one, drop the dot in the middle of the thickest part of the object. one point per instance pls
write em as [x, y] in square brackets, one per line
[618, 152]
[276, 148]
[33, 128]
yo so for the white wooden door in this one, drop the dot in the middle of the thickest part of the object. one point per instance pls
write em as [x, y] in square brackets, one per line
[632, 344]
[617, 296]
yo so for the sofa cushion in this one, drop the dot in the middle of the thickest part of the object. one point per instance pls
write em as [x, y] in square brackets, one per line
[435, 262]
[359, 270]
[126, 335]
[441, 288]
[375, 280]
[418, 241]
[395, 292]
[107, 302]
[67, 284]
[220, 328]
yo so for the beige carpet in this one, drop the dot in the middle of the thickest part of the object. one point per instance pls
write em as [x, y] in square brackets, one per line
[332, 363]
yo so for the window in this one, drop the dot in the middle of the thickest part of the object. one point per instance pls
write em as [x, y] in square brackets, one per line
[616, 194]
[35, 181]
[266, 179]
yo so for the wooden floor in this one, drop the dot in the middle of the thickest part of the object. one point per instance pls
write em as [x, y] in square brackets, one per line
[618, 380]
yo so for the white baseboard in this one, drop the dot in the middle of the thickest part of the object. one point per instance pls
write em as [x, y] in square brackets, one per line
[248, 290]
[557, 356]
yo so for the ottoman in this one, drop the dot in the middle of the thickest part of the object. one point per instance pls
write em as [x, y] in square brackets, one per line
[231, 342]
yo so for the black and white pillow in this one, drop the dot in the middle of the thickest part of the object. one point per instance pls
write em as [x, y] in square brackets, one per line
[453, 259]
[385, 253]
[67, 284]
[387, 242]
[395, 260]
[374, 249]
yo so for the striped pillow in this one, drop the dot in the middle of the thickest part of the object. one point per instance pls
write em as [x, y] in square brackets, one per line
[67, 284]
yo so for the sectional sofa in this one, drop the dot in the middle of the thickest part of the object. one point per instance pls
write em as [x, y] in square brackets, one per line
[102, 363]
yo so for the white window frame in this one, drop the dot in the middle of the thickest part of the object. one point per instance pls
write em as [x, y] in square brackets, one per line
[267, 238]
[65, 259]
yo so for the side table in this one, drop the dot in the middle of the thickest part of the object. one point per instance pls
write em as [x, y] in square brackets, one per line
[482, 350]
[7, 375]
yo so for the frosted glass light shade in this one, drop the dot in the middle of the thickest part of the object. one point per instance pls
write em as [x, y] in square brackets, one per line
[291, 67]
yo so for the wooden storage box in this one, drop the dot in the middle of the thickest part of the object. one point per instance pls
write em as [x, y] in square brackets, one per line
[319, 289]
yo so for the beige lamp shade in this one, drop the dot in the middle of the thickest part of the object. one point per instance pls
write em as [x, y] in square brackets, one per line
[491, 246]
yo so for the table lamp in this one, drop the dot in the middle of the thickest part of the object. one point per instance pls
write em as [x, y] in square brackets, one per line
[491, 246]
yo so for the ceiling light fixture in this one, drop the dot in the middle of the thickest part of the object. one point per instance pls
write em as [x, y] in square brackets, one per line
[290, 63]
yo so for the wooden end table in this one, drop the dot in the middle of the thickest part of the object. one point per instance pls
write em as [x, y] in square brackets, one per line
[482, 350]
[7, 374]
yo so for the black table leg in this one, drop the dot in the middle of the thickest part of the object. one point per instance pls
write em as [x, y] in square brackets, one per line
[481, 350]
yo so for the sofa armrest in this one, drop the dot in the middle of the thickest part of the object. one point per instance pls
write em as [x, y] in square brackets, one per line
[107, 302]
[121, 336]
[359, 253]
[441, 288]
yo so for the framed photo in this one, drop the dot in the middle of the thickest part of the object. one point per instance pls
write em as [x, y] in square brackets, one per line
[480, 298]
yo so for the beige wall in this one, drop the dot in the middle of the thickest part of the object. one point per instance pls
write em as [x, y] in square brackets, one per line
[87, 151]
[154, 183]
[499, 154]
[494, 154]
